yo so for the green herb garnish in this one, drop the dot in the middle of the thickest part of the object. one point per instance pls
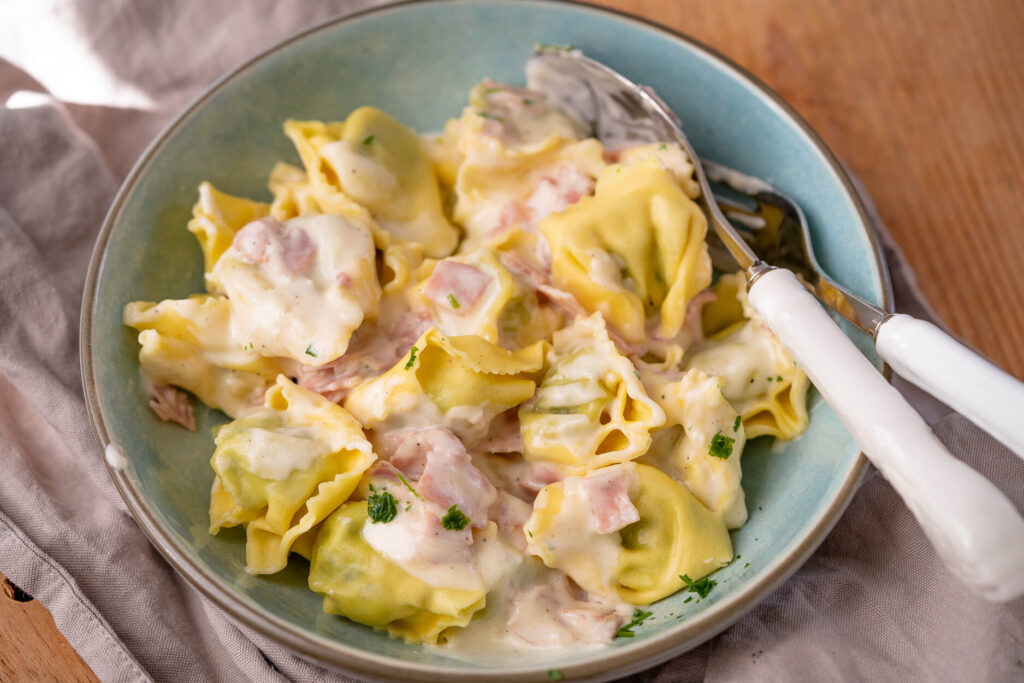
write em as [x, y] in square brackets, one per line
[637, 373]
[552, 46]
[454, 302]
[527, 101]
[555, 675]
[310, 351]
[485, 115]
[689, 599]
[491, 91]
[381, 506]
[556, 410]
[721, 446]
[368, 140]
[779, 378]
[662, 147]
[406, 482]
[412, 358]
[701, 587]
[455, 519]
[247, 347]
[639, 616]
[736, 424]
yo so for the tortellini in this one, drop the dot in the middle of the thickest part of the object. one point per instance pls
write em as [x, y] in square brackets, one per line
[216, 217]
[703, 453]
[633, 251]
[360, 583]
[283, 469]
[591, 408]
[188, 343]
[299, 289]
[519, 159]
[758, 375]
[375, 162]
[459, 382]
[466, 294]
[669, 533]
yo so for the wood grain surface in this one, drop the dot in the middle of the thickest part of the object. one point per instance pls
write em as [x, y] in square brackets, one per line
[923, 99]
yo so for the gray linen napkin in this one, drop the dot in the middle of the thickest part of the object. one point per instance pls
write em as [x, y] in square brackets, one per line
[873, 603]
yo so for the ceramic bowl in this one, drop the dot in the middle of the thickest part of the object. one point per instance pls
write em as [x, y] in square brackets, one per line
[418, 61]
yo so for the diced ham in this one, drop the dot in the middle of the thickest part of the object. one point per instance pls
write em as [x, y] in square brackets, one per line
[345, 280]
[607, 492]
[268, 241]
[171, 405]
[564, 187]
[510, 514]
[463, 282]
[551, 615]
[370, 352]
[503, 435]
[692, 321]
[447, 474]
[537, 476]
[409, 327]
[513, 213]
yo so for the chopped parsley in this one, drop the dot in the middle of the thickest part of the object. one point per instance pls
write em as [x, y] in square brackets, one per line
[637, 373]
[491, 91]
[529, 532]
[556, 410]
[689, 599]
[247, 347]
[412, 358]
[736, 424]
[368, 140]
[738, 556]
[769, 379]
[407, 484]
[381, 506]
[555, 675]
[453, 302]
[701, 587]
[721, 446]
[486, 115]
[746, 565]
[455, 519]
[639, 616]
[527, 101]
[310, 351]
[779, 378]
[662, 147]
[552, 46]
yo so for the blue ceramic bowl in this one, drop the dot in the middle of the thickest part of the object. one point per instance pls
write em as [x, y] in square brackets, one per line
[418, 62]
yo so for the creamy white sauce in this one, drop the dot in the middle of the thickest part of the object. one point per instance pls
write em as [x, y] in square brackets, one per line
[275, 454]
[114, 457]
[360, 177]
[402, 542]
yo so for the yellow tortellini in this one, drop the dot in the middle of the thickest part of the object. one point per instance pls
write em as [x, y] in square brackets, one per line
[632, 251]
[294, 194]
[216, 217]
[358, 582]
[300, 289]
[373, 161]
[507, 143]
[758, 375]
[458, 382]
[642, 562]
[465, 294]
[188, 343]
[703, 453]
[283, 469]
[591, 409]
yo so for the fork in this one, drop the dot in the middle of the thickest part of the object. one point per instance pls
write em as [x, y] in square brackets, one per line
[973, 526]
[919, 351]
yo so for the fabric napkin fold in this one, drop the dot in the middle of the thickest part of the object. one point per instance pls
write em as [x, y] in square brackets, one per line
[85, 85]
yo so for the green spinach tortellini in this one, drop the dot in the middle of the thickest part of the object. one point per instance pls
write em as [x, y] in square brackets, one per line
[358, 582]
[283, 469]
[635, 250]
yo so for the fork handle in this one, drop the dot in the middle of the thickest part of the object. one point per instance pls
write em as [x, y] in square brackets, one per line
[925, 355]
[973, 526]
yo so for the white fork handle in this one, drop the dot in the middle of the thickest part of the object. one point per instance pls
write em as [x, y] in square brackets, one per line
[974, 528]
[925, 355]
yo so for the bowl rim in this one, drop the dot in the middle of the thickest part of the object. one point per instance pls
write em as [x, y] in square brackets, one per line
[337, 655]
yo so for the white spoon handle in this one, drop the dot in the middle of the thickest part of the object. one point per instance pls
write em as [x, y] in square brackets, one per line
[925, 355]
[974, 528]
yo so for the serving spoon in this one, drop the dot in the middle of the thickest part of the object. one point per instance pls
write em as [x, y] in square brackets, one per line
[973, 526]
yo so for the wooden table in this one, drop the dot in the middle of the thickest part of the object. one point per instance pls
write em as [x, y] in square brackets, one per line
[923, 99]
